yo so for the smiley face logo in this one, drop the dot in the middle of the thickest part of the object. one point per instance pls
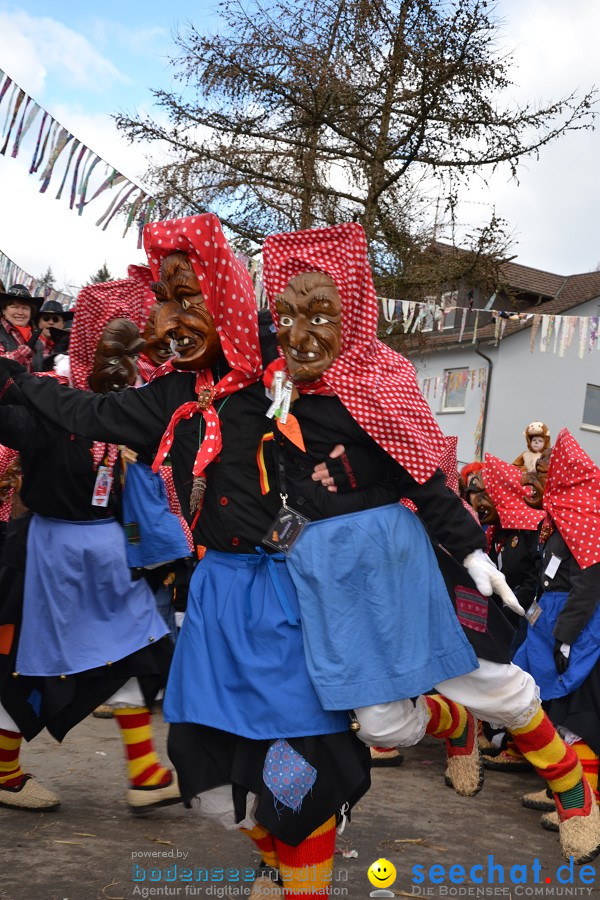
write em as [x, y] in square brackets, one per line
[381, 873]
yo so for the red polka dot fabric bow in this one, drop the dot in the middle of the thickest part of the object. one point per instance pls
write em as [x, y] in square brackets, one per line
[572, 498]
[503, 483]
[377, 385]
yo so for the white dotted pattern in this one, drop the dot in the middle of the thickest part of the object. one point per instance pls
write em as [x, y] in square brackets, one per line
[228, 300]
[503, 483]
[376, 384]
[572, 498]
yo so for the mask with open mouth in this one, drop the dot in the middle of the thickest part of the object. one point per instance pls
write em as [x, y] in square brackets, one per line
[536, 481]
[481, 501]
[182, 321]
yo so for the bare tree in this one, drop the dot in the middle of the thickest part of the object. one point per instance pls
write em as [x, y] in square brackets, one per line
[302, 113]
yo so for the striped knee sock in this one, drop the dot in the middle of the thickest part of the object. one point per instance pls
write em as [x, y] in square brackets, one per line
[307, 869]
[265, 843]
[11, 773]
[448, 720]
[555, 761]
[143, 766]
[590, 763]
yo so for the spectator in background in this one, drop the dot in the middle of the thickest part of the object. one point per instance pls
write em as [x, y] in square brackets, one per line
[18, 339]
[53, 318]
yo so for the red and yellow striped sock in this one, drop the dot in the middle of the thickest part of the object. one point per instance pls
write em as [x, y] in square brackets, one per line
[307, 870]
[590, 763]
[11, 773]
[511, 749]
[555, 761]
[143, 766]
[450, 721]
[265, 843]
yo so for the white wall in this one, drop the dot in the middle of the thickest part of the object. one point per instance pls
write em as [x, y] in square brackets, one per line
[523, 387]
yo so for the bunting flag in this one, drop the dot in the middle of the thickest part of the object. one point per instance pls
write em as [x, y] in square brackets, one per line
[11, 273]
[59, 157]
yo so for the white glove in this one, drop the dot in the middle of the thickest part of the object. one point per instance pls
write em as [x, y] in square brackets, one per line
[179, 617]
[488, 580]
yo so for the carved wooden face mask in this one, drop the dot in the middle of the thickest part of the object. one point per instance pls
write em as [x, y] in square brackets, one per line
[310, 330]
[536, 481]
[481, 501]
[115, 360]
[10, 480]
[159, 350]
[182, 319]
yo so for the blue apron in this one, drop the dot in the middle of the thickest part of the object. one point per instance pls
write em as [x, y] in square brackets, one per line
[154, 533]
[378, 622]
[81, 608]
[536, 654]
[239, 660]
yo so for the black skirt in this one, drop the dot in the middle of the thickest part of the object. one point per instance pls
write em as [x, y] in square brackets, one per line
[580, 710]
[206, 758]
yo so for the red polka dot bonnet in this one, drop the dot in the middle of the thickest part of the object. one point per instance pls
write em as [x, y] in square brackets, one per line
[225, 283]
[377, 385]
[503, 483]
[572, 498]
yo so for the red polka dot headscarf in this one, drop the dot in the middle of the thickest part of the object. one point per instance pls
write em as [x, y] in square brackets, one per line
[96, 305]
[229, 296]
[377, 385]
[503, 483]
[572, 498]
[225, 283]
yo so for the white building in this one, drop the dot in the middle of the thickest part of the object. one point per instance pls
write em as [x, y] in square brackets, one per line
[486, 389]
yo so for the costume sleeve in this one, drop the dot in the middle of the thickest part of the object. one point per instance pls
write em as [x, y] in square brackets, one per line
[582, 601]
[136, 417]
[529, 587]
[519, 462]
[443, 513]
[18, 428]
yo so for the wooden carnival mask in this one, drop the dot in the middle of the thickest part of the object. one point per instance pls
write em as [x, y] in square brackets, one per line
[115, 360]
[182, 319]
[310, 329]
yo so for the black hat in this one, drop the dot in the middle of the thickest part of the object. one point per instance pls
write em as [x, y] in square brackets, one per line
[20, 292]
[53, 306]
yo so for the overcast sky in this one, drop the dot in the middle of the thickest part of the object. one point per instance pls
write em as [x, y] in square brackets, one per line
[84, 61]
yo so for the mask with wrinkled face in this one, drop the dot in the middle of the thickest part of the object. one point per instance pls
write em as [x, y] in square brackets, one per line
[310, 330]
[115, 360]
[182, 319]
[536, 481]
[481, 501]
[10, 480]
[159, 351]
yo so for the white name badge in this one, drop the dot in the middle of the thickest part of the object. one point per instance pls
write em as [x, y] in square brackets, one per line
[552, 567]
[102, 487]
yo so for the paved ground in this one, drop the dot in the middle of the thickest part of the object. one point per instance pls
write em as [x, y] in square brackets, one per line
[85, 851]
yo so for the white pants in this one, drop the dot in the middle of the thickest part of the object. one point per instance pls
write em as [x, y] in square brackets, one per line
[502, 694]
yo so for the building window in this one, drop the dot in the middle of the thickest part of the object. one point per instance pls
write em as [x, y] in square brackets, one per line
[455, 390]
[591, 407]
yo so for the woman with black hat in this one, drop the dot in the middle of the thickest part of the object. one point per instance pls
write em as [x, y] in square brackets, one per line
[18, 339]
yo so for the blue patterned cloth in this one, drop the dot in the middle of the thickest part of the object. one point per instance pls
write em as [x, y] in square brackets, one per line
[287, 774]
